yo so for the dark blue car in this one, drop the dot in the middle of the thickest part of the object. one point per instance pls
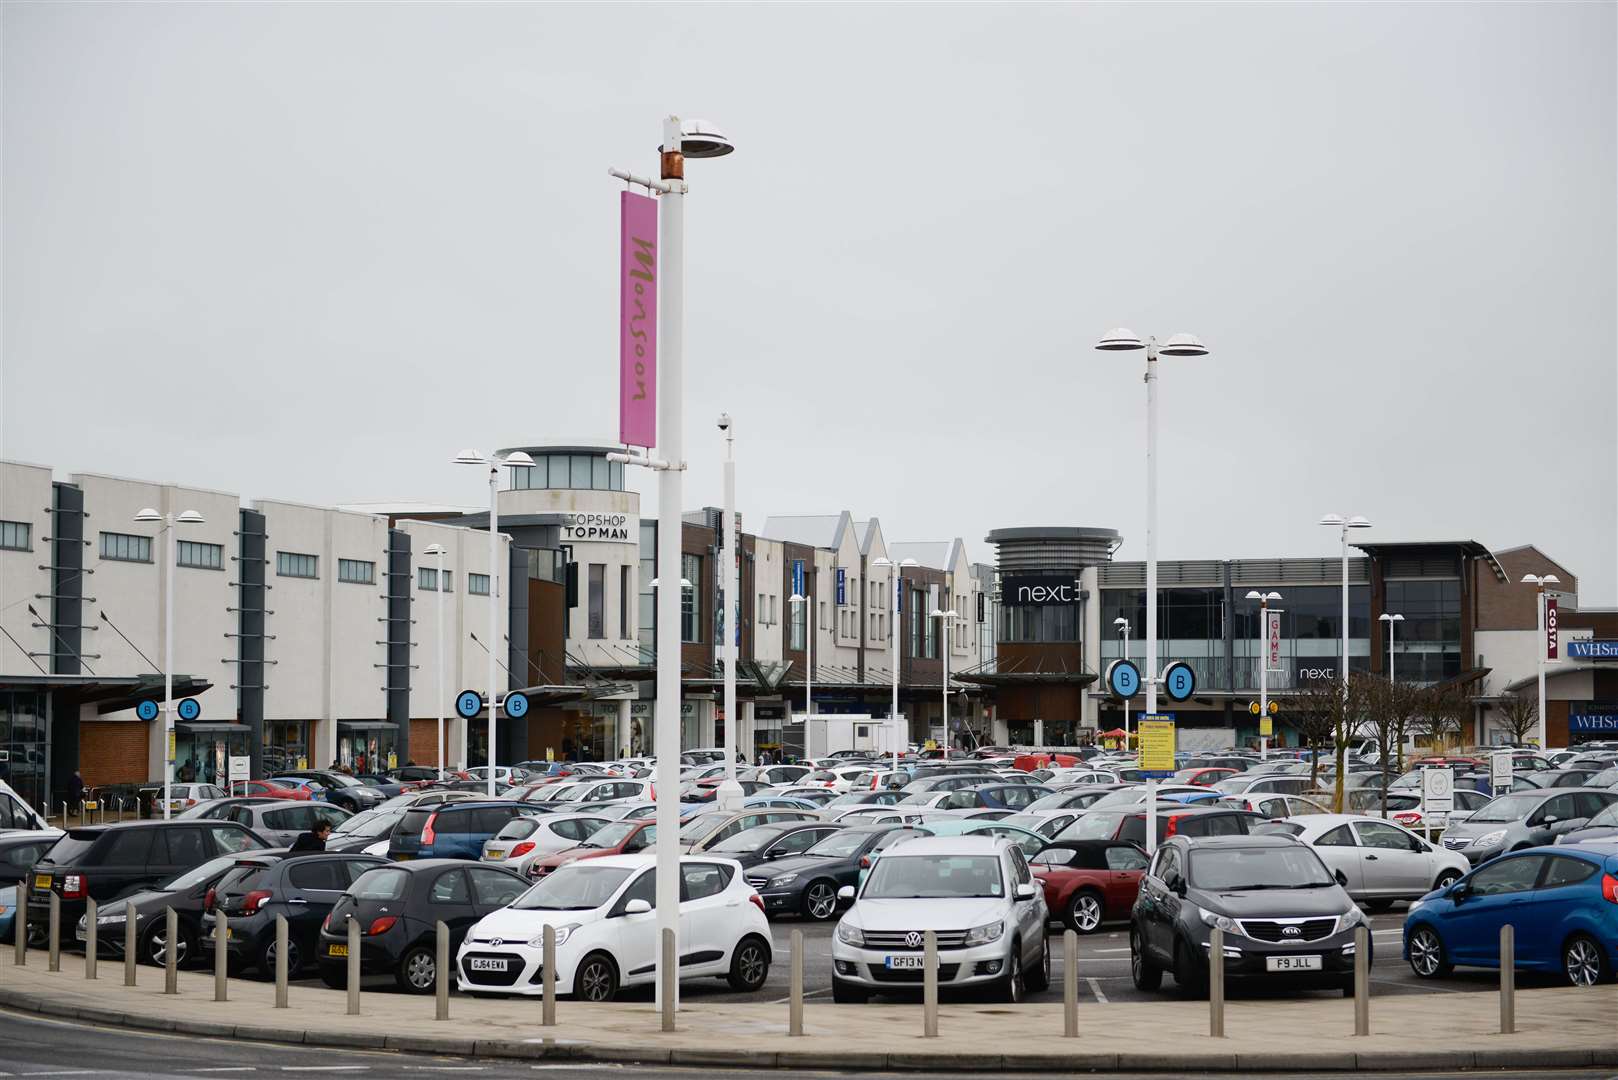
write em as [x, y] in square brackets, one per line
[1563, 902]
[454, 830]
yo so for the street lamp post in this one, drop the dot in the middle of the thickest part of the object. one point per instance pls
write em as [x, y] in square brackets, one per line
[809, 671]
[170, 565]
[439, 551]
[1263, 666]
[945, 618]
[1390, 620]
[1123, 631]
[1540, 581]
[1345, 523]
[730, 791]
[515, 459]
[893, 644]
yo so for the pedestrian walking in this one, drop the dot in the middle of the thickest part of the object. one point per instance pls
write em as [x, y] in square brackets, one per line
[313, 840]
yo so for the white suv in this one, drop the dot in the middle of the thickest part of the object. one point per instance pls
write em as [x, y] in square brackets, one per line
[975, 893]
[606, 930]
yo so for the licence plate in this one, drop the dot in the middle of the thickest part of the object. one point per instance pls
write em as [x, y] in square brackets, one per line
[1292, 963]
[42, 881]
[484, 963]
[336, 950]
[401, 858]
[902, 963]
[496, 855]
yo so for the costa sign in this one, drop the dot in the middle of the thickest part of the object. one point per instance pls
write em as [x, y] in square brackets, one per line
[1550, 628]
[1038, 591]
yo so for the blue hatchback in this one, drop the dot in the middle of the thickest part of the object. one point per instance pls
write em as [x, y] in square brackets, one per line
[1563, 902]
[454, 830]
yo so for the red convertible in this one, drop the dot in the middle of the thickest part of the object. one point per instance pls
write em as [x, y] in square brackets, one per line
[1088, 882]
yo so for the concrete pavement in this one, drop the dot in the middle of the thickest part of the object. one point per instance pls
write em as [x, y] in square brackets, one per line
[1555, 1028]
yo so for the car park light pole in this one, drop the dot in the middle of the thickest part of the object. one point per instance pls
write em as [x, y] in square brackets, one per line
[170, 565]
[515, 459]
[1390, 620]
[809, 670]
[1345, 522]
[438, 691]
[1123, 631]
[893, 643]
[1263, 666]
[945, 618]
[1540, 581]
[729, 795]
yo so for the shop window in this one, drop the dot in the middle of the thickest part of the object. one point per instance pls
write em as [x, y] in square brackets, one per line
[356, 571]
[122, 547]
[16, 536]
[292, 564]
[198, 555]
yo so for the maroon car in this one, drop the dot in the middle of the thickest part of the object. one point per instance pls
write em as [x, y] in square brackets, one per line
[1088, 882]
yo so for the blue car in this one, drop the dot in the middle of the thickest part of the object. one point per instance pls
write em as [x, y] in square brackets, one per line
[1563, 902]
[454, 830]
[8, 911]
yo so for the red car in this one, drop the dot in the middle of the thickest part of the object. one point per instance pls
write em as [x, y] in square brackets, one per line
[1088, 882]
[267, 789]
[618, 838]
[1204, 777]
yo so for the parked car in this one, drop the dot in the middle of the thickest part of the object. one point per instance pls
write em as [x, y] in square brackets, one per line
[1203, 774]
[185, 796]
[1562, 901]
[1603, 826]
[1027, 839]
[8, 912]
[1173, 819]
[281, 821]
[524, 839]
[340, 788]
[1088, 882]
[706, 830]
[301, 887]
[1047, 824]
[1252, 783]
[456, 830]
[1287, 920]
[268, 789]
[15, 813]
[773, 841]
[616, 838]
[399, 907]
[607, 938]
[782, 774]
[1572, 777]
[1274, 807]
[365, 833]
[977, 894]
[1524, 819]
[20, 850]
[1383, 861]
[807, 884]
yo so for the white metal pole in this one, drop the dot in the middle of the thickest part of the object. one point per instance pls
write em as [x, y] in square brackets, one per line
[809, 673]
[949, 739]
[1391, 625]
[1126, 700]
[1540, 649]
[443, 749]
[670, 495]
[494, 603]
[1263, 676]
[168, 663]
[1151, 533]
[1345, 613]
[893, 641]
[730, 792]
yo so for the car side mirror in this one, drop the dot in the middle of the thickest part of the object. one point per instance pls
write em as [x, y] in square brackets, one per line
[1177, 887]
[1459, 891]
[845, 895]
[1342, 878]
[637, 907]
[1024, 891]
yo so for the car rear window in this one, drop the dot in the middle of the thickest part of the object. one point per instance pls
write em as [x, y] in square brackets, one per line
[71, 849]
[414, 820]
[518, 828]
[241, 879]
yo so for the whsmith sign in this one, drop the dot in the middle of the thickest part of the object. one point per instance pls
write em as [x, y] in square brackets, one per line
[1044, 590]
[1592, 650]
[601, 528]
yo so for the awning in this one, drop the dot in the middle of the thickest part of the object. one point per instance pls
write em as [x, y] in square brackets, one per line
[204, 727]
[109, 693]
[366, 725]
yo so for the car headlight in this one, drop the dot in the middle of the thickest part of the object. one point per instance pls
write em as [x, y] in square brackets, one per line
[982, 935]
[1414, 904]
[850, 935]
[1490, 839]
[103, 920]
[1219, 922]
[562, 934]
[1353, 917]
[784, 879]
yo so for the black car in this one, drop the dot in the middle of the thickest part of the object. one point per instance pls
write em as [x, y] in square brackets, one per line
[260, 887]
[186, 893]
[1173, 819]
[364, 829]
[807, 884]
[776, 840]
[103, 862]
[1287, 920]
[413, 774]
[399, 907]
[19, 852]
[341, 789]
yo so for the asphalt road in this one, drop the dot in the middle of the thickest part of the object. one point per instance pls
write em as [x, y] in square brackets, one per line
[33, 1046]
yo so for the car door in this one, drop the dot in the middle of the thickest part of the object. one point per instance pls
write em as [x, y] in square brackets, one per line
[1393, 862]
[1030, 913]
[283, 825]
[125, 861]
[493, 889]
[1555, 816]
[634, 937]
[1498, 893]
[1159, 905]
[449, 900]
[1125, 864]
[1339, 849]
[708, 913]
[311, 888]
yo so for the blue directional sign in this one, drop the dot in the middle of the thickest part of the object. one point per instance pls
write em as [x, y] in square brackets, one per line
[188, 708]
[797, 578]
[468, 703]
[516, 705]
[1179, 680]
[1123, 679]
[842, 586]
[147, 710]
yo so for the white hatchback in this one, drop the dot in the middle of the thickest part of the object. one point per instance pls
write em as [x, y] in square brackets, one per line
[606, 930]
[524, 839]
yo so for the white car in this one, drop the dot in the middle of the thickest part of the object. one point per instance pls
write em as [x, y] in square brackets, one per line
[185, 796]
[606, 930]
[1383, 861]
[976, 893]
[599, 791]
[524, 839]
[843, 779]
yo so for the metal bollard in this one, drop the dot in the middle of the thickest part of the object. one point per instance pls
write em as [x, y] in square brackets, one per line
[353, 966]
[795, 988]
[668, 976]
[1216, 983]
[281, 973]
[929, 985]
[1508, 979]
[171, 951]
[221, 958]
[90, 915]
[1362, 981]
[441, 971]
[131, 943]
[54, 962]
[1070, 984]
[19, 927]
[547, 977]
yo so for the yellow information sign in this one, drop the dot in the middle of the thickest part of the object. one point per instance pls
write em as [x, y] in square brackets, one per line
[550, 753]
[1266, 727]
[171, 744]
[1156, 743]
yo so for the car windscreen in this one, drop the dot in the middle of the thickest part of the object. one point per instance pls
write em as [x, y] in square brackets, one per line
[1237, 869]
[198, 874]
[840, 845]
[385, 883]
[747, 839]
[1609, 816]
[70, 848]
[1513, 807]
[610, 836]
[934, 877]
[378, 822]
[579, 887]
[1091, 827]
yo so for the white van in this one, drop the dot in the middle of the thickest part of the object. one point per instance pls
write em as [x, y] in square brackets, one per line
[15, 813]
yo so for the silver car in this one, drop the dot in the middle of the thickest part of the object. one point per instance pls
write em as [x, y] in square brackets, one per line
[282, 821]
[1523, 819]
[1383, 862]
[976, 893]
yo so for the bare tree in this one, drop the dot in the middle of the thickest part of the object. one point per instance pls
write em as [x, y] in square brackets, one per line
[1387, 710]
[1310, 712]
[1519, 714]
[1442, 713]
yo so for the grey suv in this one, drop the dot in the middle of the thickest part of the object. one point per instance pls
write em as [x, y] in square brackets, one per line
[1523, 819]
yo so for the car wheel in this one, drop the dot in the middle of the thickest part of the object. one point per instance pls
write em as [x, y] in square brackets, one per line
[156, 947]
[1084, 912]
[1583, 961]
[1427, 957]
[1011, 987]
[1038, 979]
[418, 970]
[1146, 975]
[334, 975]
[1348, 988]
[596, 979]
[843, 993]
[820, 901]
[1189, 975]
[1446, 879]
[749, 965]
[266, 959]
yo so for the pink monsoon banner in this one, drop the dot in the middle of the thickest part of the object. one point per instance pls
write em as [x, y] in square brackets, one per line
[637, 321]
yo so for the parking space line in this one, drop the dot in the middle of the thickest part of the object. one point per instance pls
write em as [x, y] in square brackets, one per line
[1423, 986]
[807, 994]
[1095, 988]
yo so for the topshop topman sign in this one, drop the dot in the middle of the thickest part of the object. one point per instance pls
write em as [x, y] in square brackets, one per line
[1044, 590]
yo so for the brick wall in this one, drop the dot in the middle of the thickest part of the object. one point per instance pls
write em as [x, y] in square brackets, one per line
[1509, 604]
[424, 741]
[113, 752]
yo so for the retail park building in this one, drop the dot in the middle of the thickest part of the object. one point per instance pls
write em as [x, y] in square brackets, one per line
[311, 634]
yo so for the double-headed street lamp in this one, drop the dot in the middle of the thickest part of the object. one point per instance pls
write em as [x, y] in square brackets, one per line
[893, 644]
[516, 459]
[1345, 523]
[170, 565]
[1263, 599]
[945, 618]
[1540, 581]
[438, 692]
[1390, 620]
[1123, 632]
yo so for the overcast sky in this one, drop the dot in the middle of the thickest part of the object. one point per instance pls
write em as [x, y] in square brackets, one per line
[308, 251]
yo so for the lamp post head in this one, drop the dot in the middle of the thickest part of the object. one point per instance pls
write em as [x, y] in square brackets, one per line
[1541, 580]
[724, 422]
[190, 517]
[147, 514]
[1120, 339]
[685, 583]
[701, 139]
[1385, 617]
[1264, 597]
[1357, 522]
[1183, 345]
[471, 457]
[517, 459]
[796, 599]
